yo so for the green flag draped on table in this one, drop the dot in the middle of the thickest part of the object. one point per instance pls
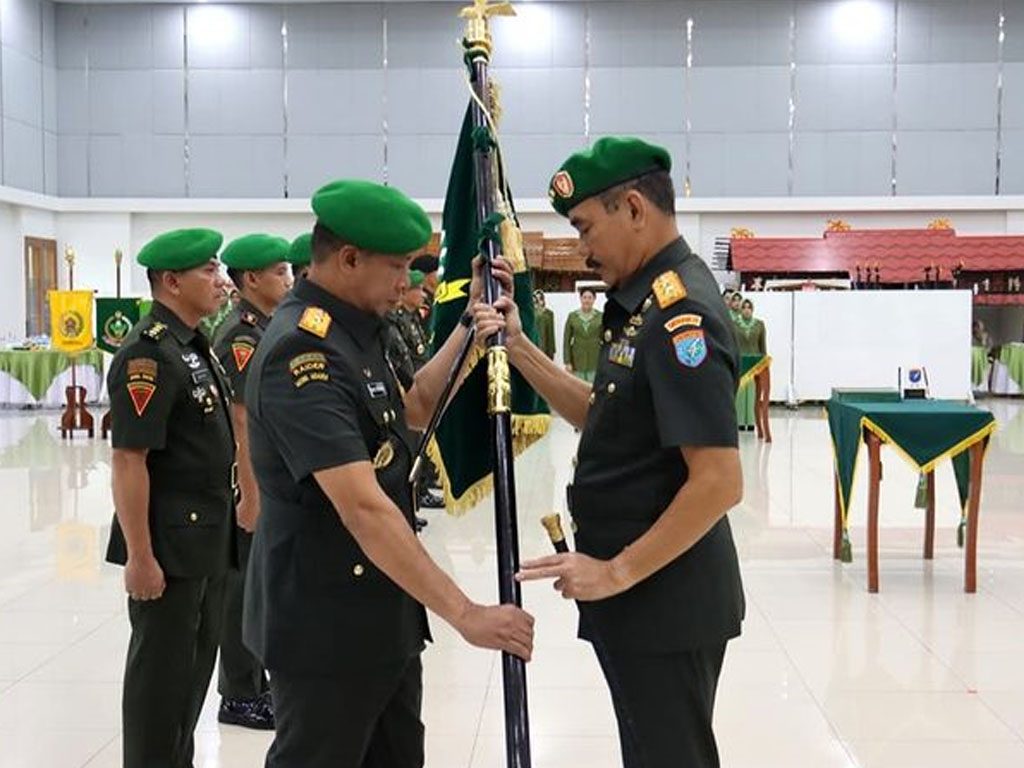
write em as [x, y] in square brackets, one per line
[461, 449]
[114, 320]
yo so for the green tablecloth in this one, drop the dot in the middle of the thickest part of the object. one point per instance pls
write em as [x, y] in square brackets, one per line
[1012, 356]
[37, 369]
[979, 366]
[923, 431]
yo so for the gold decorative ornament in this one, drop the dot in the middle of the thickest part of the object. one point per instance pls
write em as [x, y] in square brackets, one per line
[499, 381]
[837, 225]
[478, 29]
[940, 224]
[385, 454]
[740, 233]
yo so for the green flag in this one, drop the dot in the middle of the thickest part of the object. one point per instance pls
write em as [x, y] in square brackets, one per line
[114, 319]
[462, 449]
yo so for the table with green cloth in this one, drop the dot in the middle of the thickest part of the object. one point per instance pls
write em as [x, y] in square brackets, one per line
[38, 377]
[924, 432]
[979, 368]
[1008, 369]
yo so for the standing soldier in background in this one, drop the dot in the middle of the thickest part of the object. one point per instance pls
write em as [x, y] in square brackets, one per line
[545, 320]
[257, 265]
[428, 265]
[173, 483]
[581, 340]
[300, 255]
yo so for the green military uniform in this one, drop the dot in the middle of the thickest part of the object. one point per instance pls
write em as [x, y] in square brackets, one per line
[751, 340]
[545, 320]
[581, 343]
[666, 377]
[340, 639]
[168, 395]
[411, 328]
[241, 675]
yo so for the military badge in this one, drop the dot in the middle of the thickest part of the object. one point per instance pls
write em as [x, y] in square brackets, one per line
[316, 321]
[682, 321]
[622, 353]
[563, 184]
[242, 351]
[141, 382]
[385, 454]
[312, 366]
[691, 347]
[191, 359]
[377, 390]
[668, 288]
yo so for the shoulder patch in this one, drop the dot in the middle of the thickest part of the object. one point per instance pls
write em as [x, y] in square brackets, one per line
[249, 318]
[682, 321]
[668, 288]
[242, 349]
[691, 347]
[155, 332]
[316, 321]
[307, 367]
[141, 382]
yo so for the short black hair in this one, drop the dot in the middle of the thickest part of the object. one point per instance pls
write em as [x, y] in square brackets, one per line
[728, 292]
[588, 289]
[324, 243]
[237, 277]
[655, 186]
[426, 263]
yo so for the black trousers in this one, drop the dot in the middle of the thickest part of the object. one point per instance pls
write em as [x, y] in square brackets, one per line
[170, 661]
[664, 705]
[356, 721]
[240, 675]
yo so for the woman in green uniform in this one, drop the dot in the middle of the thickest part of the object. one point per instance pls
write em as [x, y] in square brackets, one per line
[581, 341]
[545, 320]
[750, 338]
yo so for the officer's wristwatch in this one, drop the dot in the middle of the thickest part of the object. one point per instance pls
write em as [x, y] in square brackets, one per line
[467, 319]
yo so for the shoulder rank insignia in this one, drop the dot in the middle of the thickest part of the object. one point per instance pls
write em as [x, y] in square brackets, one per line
[242, 350]
[668, 288]
[316, 321]
[155, 332]
[249, 318]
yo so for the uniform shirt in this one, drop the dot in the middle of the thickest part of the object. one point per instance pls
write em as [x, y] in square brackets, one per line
[581, 340]
[666, 378]
[321, 394]
[397, 351]
[235, 343]
[169, 395]
[411, 328]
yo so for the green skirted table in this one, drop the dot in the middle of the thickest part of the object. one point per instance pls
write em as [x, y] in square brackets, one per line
[753, 393]
[979, 368]
[924, 432]
[1008, 369]
[27, 377]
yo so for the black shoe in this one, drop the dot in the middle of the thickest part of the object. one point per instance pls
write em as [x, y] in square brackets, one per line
[257, 714]
[430, 500]
[420, 523]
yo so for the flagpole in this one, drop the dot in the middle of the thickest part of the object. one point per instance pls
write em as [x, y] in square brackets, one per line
[478, 45]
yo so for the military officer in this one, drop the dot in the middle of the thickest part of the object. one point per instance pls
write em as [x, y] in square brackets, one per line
[337, 580]
[257, 265]
[428, 264]
[545, 319]
[656, 573]
[173, 469]
[300, 255]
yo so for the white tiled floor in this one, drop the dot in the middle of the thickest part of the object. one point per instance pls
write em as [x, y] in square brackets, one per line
[824, 675]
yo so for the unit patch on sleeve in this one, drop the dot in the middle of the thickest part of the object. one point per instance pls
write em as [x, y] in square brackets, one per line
[691, 347]
[682, 321]
[141, 382]
[311, 366]
[241, 349]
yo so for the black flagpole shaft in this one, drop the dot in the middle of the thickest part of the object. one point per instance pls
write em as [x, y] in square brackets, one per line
[517, 726]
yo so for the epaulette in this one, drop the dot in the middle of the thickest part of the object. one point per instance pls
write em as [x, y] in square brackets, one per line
[155, 332]
[249, 318]
[668, 288]
[315, 321]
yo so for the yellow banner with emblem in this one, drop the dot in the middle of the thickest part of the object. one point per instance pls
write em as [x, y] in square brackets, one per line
[70, 320]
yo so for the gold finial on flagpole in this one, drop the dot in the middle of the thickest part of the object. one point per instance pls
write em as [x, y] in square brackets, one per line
[478, 28]
[118, 256]
[69, 255]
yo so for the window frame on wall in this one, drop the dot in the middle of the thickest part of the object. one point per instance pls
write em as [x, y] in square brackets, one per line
[41, 276]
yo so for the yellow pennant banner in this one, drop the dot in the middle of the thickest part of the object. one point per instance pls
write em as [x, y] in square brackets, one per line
[70, 320]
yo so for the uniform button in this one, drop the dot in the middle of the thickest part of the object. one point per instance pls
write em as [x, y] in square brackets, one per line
[607, 335]
[192, 516]
[573, 527]
[393, 415]
[592, 398]
[358, 569]
[611, 388]
[387, 417]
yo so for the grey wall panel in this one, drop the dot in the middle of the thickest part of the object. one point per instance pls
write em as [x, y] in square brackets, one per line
[23, 155]
[120, 37]
[50, 99]
[335, 36]
[168, 36]
[541, 35]
[739, 99]
[106, 167]
[237, 166]
[736, 165]
[139, 166]
[936, 31]
[426, 101]
[266, 43]
[50, 181]
[842, 32]
[419, 165]
[1013, 45]
[535, 100]
[843, 97]
[424, 35]
[946, 96]
[315, 160]
[638, 34]
[218, 36]
[72, 165]
[637, 99]
[1012, 171]
[72, 102]
[168, 101]
[335, 101]
[945, 162]
[532, 160]
[1013, 96]
[72, 48]
[49, 12]
[842, 163]
[21, 28]
[227, 101]
[120, 101]
[741, 32]
[22, 87]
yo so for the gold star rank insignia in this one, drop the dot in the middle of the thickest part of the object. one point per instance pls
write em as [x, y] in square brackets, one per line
[668, 288]
[316, 321]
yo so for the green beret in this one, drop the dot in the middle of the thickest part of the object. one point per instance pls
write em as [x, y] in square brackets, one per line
[415, 278]
[610, 161]
[371, 216]
[301, 252]
[255, 252]
[180, 249]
